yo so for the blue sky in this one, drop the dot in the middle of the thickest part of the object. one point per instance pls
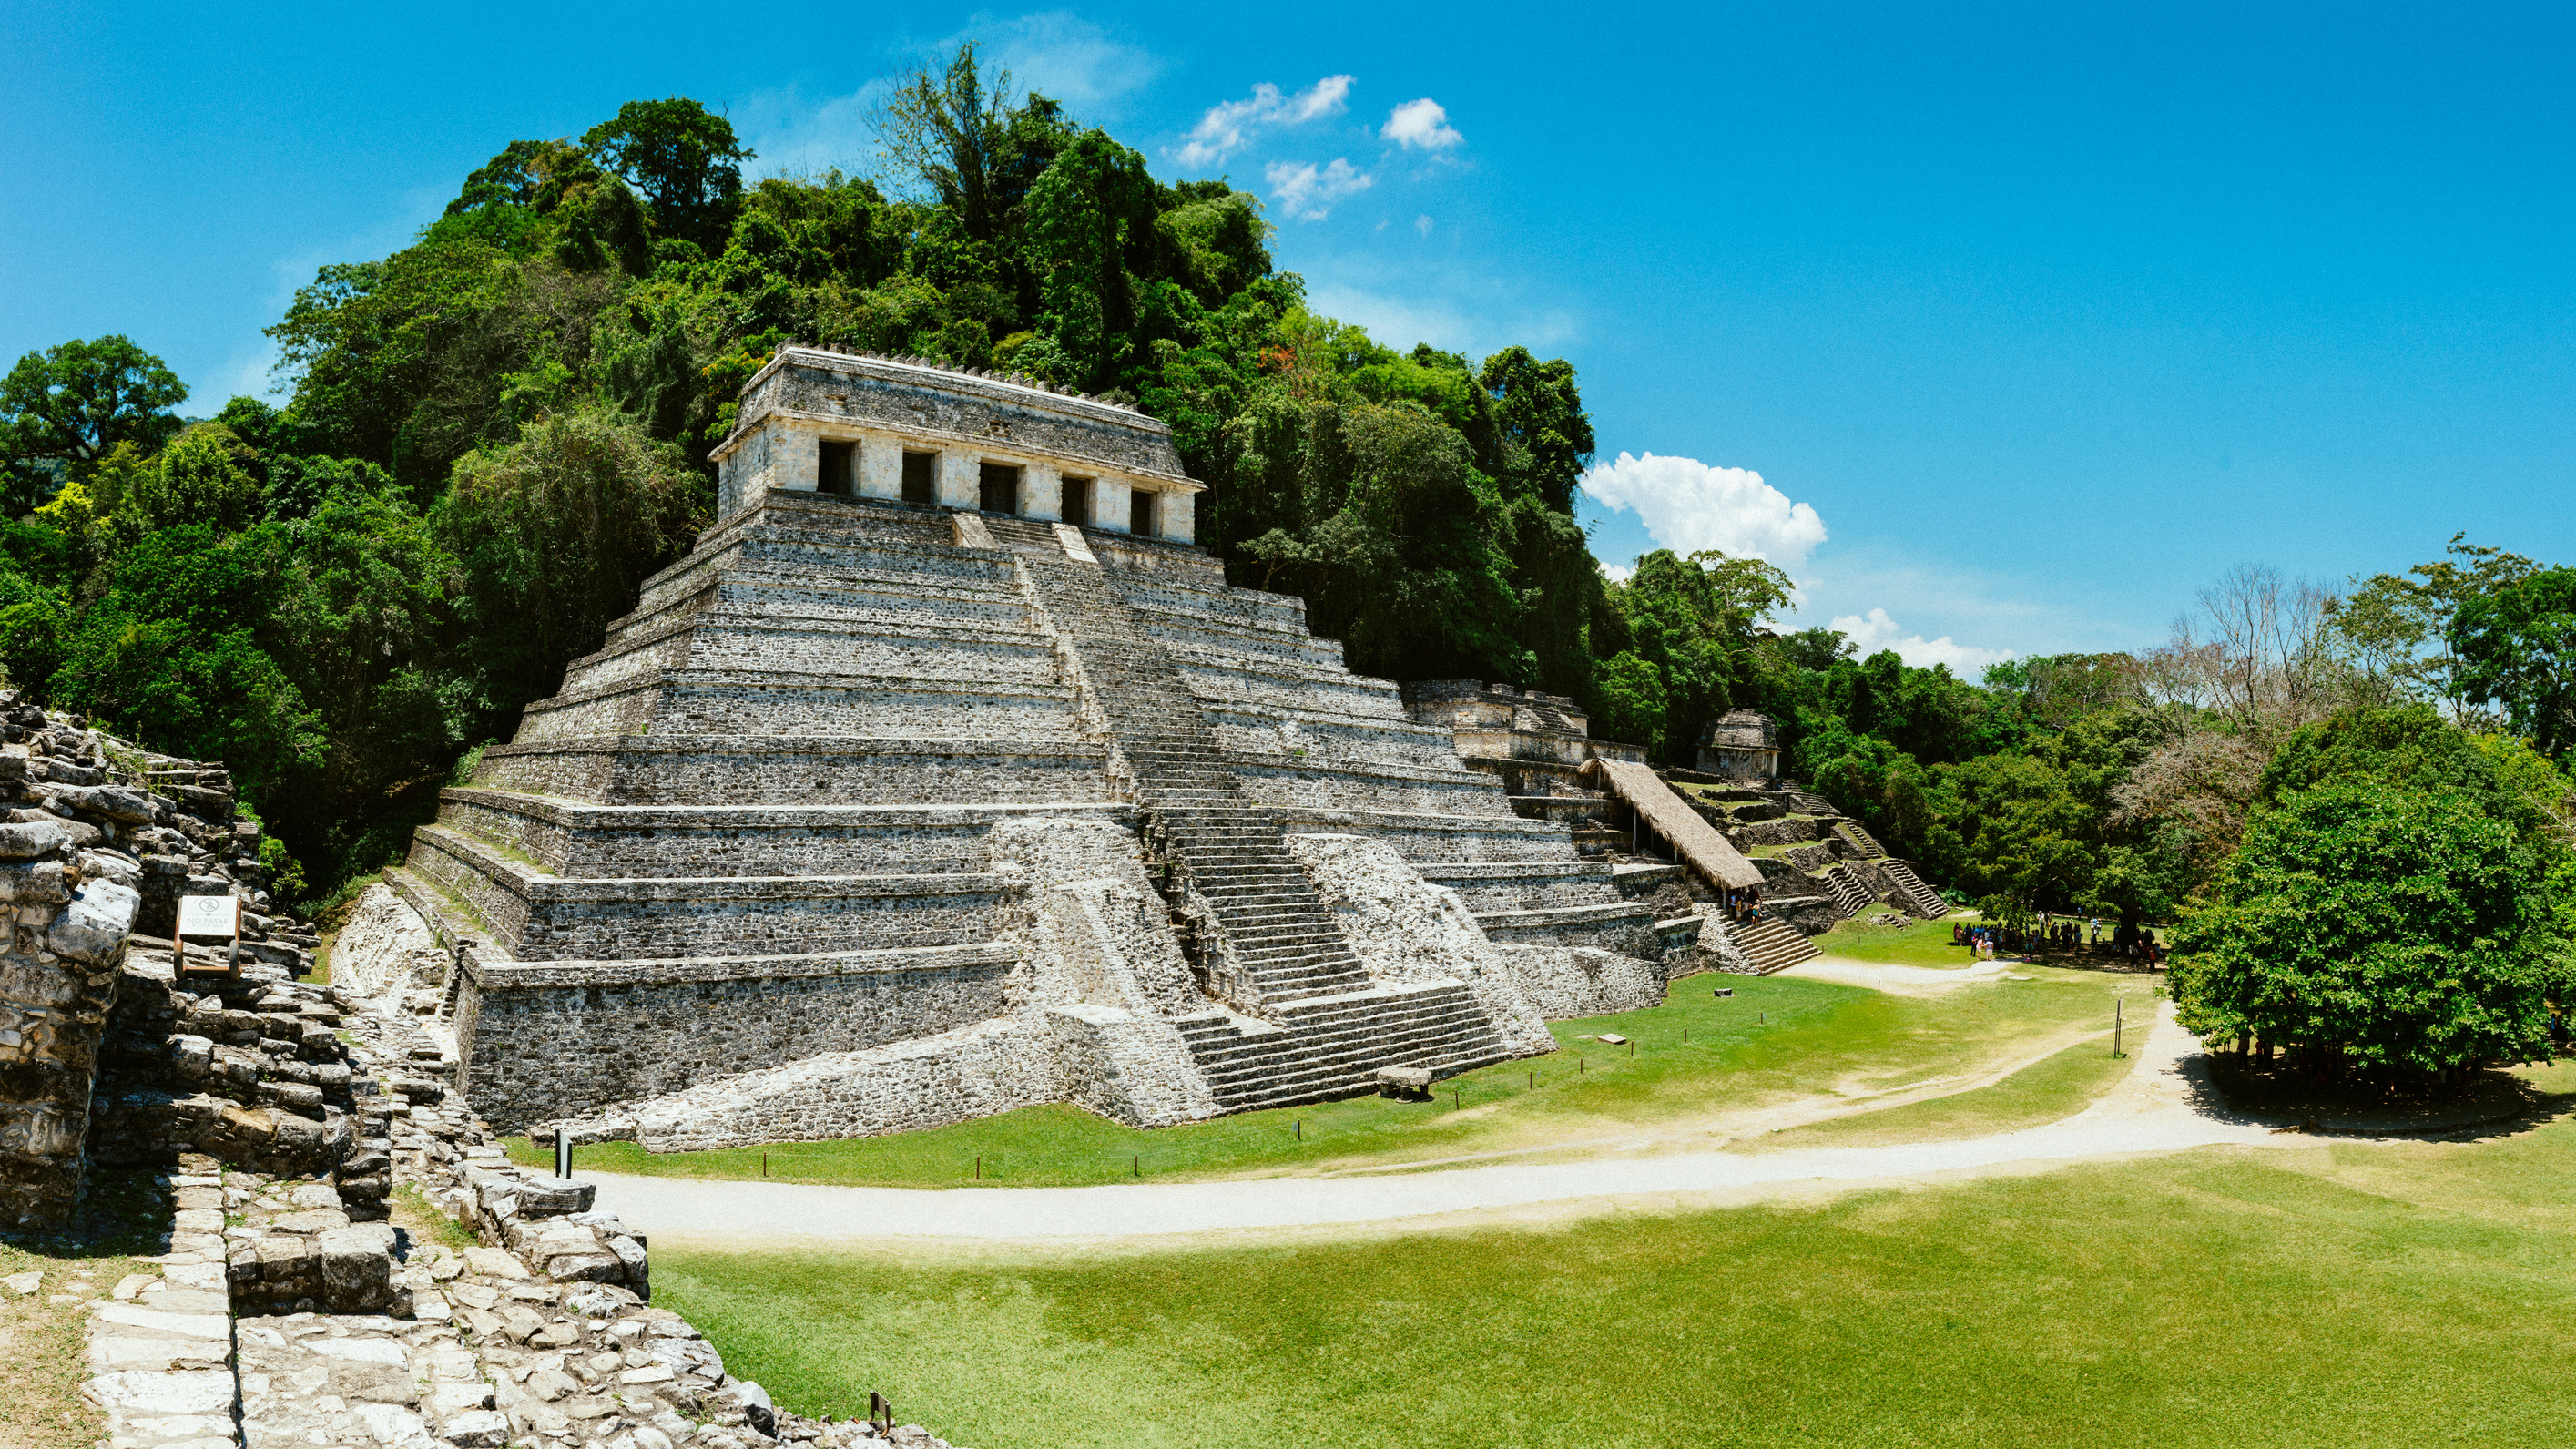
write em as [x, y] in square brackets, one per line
[2003, 328]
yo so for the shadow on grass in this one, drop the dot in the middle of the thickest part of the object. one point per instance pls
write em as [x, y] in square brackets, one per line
[2491, 1104]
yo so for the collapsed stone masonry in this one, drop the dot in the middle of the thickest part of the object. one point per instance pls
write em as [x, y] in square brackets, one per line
[944, 776]
[101, 1047]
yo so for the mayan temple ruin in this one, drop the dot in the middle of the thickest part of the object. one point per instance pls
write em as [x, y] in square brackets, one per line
[946, 775]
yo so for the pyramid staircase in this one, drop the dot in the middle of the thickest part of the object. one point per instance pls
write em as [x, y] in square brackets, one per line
[1321, 1025]
[1861, 840]
[1769, 944]
[1926, 902]
[1848, 895]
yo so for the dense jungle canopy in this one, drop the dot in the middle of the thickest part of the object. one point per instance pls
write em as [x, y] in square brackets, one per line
[490, 436]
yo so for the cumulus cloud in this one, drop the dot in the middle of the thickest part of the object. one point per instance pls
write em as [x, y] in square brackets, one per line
[1875, 631]
[1230, 126]
[1053, 52]
[1688, 506]
[1618, 573]
[1421, 125]
[1309, 191]
[1064, 56]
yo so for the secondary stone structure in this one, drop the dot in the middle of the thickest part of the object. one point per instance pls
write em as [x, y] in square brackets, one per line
[945, 775]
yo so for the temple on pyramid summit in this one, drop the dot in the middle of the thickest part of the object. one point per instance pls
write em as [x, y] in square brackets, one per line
[946, 775]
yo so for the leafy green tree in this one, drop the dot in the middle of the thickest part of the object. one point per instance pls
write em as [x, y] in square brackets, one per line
[2386, 624]
[64, 408]
[1631, 702]
[683, 158]
[965, 139]
[2405, 933]
[201, 478]
[2517, 648]
[550, 536]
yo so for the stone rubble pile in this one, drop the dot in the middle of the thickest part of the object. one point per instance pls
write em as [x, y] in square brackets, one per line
[99, 841]
[346, 1332]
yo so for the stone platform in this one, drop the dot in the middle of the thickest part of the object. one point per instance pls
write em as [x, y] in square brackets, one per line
[876, 814]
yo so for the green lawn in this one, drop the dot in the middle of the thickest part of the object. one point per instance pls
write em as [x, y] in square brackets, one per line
[1696, 1058]
[42, 1340]
[1916, 943]
[2045, 1091]
[2342, 1293]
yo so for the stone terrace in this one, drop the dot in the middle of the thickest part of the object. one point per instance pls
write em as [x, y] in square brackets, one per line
[755, 826]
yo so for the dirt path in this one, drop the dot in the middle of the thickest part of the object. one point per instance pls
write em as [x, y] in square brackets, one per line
[2165, 1105]
[1899, 980]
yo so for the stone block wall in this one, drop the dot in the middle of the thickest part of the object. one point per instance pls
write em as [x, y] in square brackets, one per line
[545, 1044]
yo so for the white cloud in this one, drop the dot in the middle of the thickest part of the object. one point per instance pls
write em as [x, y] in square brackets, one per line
[1067, 58]
[1308, 191]
[793, 135]
[1618, 573]
[1421, 125]
[1422, 224]
[1229, 126]
[1875, 631]
[1054, 53]
[1688, 506]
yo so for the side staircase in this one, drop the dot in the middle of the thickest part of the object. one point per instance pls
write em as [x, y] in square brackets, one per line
[1847, 892]
[1324, 1025]
[1926, 902]
[1861, 840]
[1920, 898]
[1769, 944]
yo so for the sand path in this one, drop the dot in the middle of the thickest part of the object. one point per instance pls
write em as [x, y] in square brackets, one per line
[1899, 980]
[2165, 1105]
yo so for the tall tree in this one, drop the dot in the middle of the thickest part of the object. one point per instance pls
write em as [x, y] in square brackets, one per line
[2517, 648]
[683, 158]
[65, 407]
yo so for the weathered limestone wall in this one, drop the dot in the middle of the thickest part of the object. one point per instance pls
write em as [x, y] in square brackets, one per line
[1562, 982]
[545, 1042]
[1405, 929]
[58, 981]
[384, 949]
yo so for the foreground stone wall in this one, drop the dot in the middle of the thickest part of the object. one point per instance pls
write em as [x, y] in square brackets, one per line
[299, 1326]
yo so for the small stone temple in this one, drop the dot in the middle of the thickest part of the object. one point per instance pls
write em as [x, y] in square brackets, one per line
[1741, 745]
[945, 775]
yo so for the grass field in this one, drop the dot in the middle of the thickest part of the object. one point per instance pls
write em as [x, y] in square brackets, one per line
[2043, 1092]
[2346, 1293]
[1916, 943]
[41, 1333]
[1696, 1059]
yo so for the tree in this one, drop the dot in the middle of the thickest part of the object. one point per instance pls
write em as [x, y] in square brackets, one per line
[551, 535]
[977, 152]
[2404, 933]
[2385, 623]
[203, 477]
[2517, 648]
[683, 158]
[65, 407]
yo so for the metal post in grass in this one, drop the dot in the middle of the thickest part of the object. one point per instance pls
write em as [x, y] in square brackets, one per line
[1139, 1164]
[979, 1169]
[1301, 1129]
[2117, 1006]
[764, 1164]
[563, 1150]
